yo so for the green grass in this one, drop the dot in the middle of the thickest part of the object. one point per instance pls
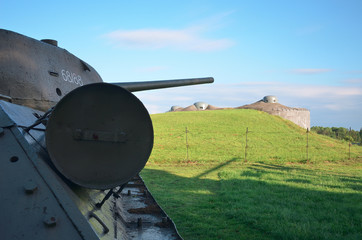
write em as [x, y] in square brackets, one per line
[275, 195]
[218, 136]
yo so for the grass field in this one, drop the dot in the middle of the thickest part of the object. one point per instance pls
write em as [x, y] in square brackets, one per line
[276, 194]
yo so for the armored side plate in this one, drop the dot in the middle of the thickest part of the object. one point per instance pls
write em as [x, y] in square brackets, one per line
[37, 203]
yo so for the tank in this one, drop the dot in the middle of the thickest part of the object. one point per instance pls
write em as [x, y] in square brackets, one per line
[72, 147]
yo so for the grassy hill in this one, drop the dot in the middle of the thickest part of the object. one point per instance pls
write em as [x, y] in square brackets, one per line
[277, 194]
[218, 136]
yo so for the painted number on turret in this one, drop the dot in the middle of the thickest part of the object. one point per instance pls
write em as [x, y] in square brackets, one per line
[72, 77]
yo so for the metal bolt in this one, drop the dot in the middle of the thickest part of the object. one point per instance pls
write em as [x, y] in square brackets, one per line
[164, 220]
[50, 220]
[30, 187]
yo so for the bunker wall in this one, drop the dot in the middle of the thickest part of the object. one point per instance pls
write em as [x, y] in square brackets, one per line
[301, 117]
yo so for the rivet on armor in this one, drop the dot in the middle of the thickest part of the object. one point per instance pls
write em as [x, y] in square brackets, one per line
[50, 220]
[30, 187]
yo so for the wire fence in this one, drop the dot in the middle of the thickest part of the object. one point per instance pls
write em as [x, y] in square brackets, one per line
[278, 133]
[251, 145]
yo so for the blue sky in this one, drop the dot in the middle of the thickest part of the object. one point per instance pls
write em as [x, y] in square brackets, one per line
[307, 53]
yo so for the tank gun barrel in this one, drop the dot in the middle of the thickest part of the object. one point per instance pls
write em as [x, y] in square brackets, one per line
[149, 85]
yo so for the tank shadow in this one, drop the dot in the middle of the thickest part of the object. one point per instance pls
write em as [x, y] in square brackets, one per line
[257, 202]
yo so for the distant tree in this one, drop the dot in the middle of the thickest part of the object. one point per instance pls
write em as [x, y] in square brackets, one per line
[339, 133]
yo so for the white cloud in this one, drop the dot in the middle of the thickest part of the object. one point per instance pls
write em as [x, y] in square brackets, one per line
[326, 103]
[353, 81]
[189, 39]
[311, 70]
[312, 91]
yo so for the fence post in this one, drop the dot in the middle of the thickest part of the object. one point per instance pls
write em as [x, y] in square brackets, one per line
[307, 145]
[349, 144]
[246, 144]
[187, 146]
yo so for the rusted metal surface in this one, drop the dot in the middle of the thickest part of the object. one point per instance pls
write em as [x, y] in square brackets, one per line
[144, 208]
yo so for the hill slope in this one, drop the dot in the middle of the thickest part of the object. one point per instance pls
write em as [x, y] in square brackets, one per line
[217, 136]
[215, 194]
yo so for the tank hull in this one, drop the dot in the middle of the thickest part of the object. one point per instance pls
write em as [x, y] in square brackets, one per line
[38, 203]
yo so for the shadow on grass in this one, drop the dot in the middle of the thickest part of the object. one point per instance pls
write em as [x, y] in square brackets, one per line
[270, 166]
[239, 207]
[217, 167]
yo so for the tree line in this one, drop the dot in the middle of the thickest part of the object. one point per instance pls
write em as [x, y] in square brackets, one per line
[339, 133]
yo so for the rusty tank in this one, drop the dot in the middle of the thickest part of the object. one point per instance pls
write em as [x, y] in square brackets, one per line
[72, 147]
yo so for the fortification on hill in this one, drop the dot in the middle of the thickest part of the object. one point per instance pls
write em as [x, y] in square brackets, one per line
[269, 104]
